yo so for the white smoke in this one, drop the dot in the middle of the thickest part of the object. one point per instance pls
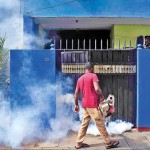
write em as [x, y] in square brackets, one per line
[66, 119]
[12, 29]
[9, 4]
[114, 127]
[4, 111]
[117, 127]
[11, 25]
[24, 125]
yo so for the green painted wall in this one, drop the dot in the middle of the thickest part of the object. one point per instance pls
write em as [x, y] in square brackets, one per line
[127, 33]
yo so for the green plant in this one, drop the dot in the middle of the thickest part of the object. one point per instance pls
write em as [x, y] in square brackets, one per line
[2, 41]
[4, 67]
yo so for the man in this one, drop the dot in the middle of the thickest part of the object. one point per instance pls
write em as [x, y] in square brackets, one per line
[88, 85]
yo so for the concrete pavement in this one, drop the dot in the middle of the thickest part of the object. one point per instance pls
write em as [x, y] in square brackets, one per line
[132, 140]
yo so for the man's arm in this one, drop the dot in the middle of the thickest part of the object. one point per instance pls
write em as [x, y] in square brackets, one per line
[98, 89]
[76, 96]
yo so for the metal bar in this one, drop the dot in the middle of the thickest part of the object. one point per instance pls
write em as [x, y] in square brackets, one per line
[78, 44]
[101, 44]
[55, 42]
[66, 44]
[125, 44]
[95, 44]
[89, 43]
[107, 43]
[84, 44]
[72, 43]
[60, 44]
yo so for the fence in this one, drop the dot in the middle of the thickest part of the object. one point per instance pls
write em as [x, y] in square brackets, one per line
[91, 44]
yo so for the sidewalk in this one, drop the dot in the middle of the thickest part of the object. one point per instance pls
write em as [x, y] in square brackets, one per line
[132, 140]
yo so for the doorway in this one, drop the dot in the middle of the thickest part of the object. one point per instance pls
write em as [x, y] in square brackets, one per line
[81, 39]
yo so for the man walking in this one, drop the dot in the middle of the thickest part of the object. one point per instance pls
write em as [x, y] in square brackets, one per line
[88, 85]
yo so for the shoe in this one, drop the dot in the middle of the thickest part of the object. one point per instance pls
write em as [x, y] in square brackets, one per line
[81, 145]
[112, 144]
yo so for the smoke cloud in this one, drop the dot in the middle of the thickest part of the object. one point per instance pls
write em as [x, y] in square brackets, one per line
[11, 25]
[26, 125]
[9, 4]
[117, 127]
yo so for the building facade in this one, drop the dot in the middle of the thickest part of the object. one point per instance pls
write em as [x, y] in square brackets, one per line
[117, 23]
[107, 25]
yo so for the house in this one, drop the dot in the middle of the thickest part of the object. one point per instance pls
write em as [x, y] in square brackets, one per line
[116, 23]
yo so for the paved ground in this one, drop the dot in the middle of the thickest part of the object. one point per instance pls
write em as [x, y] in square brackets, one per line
[132, 140]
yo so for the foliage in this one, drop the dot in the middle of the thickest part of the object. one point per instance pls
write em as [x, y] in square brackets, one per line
[2, 41]
[4, 67]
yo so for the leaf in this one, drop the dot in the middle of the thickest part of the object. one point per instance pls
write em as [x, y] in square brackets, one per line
[4, 60]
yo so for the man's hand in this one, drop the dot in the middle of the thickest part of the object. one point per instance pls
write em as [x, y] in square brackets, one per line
[76, 108]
